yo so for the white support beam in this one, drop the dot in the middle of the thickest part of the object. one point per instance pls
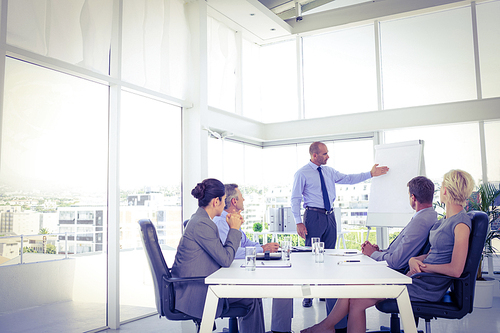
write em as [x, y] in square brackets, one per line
[448, 113]
[223, 121]
[345, 125]
[255, 20]
[378, 66]
[365, 13]
[194, 139]
[113, 244]
[239, 73]
[482, 143]
[475, 41]
[3, 41]
[300, 76]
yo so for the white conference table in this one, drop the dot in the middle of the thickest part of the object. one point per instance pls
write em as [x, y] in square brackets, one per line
[307, 279]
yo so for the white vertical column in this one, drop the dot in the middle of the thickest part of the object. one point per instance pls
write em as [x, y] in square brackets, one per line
[300, 77]
[482, 143]
[378, 64]
[194, 139]
[239, 71]
[479, 89]
[3, 41]
[475, 41]
[382, 232]
[113, 244]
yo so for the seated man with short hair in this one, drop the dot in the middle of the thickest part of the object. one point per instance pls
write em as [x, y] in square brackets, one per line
[413, 237]
[282, 307]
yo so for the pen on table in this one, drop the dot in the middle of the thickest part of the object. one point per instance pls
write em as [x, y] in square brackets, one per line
[341, 262]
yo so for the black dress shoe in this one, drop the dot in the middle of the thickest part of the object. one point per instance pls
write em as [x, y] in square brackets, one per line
[322, 299]
[341, 330]
[307, 302]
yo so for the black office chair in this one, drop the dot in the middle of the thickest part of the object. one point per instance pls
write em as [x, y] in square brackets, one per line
[457, 302]
[164, 282]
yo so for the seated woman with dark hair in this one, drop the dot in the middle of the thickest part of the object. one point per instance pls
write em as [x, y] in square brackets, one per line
[200, 253]
[449, 239]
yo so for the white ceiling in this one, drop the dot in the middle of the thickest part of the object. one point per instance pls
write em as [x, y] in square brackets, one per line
[259, 20]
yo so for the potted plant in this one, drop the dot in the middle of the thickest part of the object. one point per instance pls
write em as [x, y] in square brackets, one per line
[484, 200]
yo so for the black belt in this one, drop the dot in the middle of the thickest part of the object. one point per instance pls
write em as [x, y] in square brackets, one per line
[321, 210]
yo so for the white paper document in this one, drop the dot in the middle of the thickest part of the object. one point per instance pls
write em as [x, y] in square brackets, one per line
[271, 264]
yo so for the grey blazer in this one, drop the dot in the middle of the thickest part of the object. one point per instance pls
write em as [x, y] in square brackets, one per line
[409, 241]
[200, 253]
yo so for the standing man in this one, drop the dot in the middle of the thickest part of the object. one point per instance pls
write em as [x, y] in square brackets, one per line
[413, 237]
[282, 311]
[315, 183]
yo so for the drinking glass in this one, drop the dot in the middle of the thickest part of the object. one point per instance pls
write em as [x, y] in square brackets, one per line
[319, 252]
[250, 258]
[313, 241]
[286, 248]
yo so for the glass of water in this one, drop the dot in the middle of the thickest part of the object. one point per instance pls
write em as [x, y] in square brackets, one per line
[286, 248]
[250, 256]
[313, 241]
[319, 252]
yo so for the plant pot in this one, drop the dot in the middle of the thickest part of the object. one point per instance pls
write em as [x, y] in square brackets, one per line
[483, 295]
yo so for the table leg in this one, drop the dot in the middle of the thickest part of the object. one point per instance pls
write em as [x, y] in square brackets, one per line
[406, 312]
[207, 322]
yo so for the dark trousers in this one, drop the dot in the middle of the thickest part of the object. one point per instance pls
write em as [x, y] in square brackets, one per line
[325, 227]
[253, 322]
[322, 226]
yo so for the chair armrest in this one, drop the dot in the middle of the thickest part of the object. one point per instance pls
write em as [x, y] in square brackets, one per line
[442, 276]
[183, 279]
[436, 275]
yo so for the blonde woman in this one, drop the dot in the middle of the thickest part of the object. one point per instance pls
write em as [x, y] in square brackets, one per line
[449, 239]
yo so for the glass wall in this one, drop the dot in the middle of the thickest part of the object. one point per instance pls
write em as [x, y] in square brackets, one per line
[250, 78]
[63, 30]
[424, 59]
[445, 147]
[56, 135]
[265, 175]
[150, 188]
[488, 30]
[222, 59]
[492, 139]
[278, 82]
[338, 68]
[53, 174]
[156, 45]
[55, 122]
[237, 163]
[428, 59]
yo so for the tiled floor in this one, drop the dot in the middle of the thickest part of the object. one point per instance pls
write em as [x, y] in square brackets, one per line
[75, 316]
[78, 317]
[480, 320]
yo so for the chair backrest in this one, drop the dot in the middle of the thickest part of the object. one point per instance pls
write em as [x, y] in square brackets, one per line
[184, 225]
[460, 301]
[157, 265]
[476, 245]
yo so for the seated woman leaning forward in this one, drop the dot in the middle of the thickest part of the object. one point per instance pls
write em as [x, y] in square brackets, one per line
[200, 253]
[449, 239]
